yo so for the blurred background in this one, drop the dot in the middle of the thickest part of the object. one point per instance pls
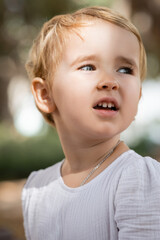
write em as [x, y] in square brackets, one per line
[27, 143]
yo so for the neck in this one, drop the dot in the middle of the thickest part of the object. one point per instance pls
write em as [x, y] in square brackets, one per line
[84, 155]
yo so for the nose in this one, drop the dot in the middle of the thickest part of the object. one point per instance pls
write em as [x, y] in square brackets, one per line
[108, 83]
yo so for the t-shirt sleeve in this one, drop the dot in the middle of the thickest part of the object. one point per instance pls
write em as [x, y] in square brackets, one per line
[137, 201]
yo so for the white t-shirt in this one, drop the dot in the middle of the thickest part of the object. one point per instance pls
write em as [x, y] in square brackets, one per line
[122, 202]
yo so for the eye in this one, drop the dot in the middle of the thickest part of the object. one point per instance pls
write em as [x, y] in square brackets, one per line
[126, 70]
[88, 67]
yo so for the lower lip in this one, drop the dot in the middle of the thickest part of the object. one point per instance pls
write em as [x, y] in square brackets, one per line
[106, 113]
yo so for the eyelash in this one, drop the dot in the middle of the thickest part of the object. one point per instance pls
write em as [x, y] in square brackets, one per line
[128, 70]
[92, 67]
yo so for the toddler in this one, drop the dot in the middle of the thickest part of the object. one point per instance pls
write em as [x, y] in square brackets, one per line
[87, 70]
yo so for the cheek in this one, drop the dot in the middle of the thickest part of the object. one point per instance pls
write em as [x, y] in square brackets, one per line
[131, 98]
[133, 106]
[70, 99]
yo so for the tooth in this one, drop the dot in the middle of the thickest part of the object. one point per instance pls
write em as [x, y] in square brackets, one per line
[99, 104]
[109, 105]
[104, 105]
[112, 104]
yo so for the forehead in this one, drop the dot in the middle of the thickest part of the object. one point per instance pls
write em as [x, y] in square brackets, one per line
[99, 37]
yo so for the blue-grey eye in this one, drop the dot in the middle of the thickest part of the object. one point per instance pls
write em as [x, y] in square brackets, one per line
[126, 70]
[87, 68]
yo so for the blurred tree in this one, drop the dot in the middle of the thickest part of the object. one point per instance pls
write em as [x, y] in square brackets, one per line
[4, 113]
[20, 21]
[146, 16]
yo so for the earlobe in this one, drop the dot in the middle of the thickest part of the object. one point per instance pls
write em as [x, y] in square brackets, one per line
[41, 93]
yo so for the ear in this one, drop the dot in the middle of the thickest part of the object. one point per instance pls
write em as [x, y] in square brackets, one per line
[41, 93]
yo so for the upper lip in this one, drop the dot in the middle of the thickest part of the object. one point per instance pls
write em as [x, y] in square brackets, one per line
[107, 100]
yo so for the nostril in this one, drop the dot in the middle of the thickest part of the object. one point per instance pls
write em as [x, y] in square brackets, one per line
[108, 85]
[114, 87]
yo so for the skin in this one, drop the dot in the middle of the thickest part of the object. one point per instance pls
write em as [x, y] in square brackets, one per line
[101, 62]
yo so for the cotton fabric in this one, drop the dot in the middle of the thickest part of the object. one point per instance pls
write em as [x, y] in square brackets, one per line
[121, 203]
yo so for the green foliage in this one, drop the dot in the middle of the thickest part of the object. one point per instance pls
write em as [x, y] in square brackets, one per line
[147, 148]
[20, 156]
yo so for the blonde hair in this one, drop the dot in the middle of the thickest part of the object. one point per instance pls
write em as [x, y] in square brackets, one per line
[47, 48]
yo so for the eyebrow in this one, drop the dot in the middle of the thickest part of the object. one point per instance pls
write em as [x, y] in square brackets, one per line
[126, 60]
[84, 58]
[122, 59]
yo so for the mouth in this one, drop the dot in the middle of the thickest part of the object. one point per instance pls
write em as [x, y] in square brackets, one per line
[107, 105]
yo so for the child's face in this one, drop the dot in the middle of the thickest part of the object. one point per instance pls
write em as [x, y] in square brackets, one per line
[99, 67]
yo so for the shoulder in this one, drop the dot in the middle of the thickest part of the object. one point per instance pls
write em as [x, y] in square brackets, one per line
[139, 172]
[141, 168]
[139, 182]
[43, 177]
[137, 198]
